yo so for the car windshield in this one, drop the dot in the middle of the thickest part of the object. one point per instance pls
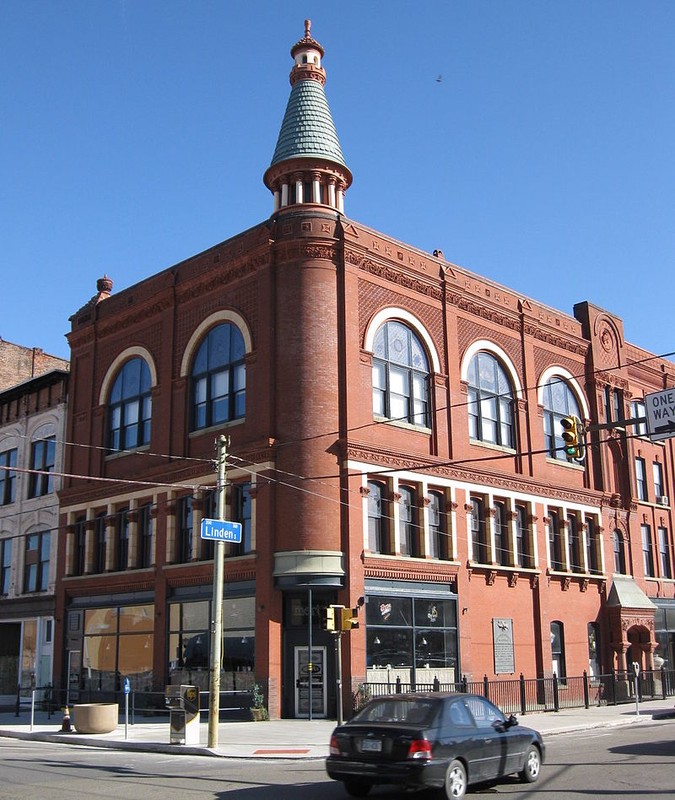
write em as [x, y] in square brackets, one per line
[389, 709]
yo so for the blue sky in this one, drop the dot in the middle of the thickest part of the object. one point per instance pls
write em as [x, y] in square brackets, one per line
[135, 133]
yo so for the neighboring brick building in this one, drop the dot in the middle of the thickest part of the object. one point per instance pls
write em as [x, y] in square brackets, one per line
[18, 363]
[394, 428]
[32, 427]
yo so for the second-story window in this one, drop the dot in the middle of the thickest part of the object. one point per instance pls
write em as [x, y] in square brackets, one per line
[5, 565]
[122, 539]
[144, 537]
[184, 529]
[556, 541]
[592, 546]
[100, 543]
[439, 546]
[501, 533]
[619, 553]
[639, 410]
[665, 561]
[36, 565]
[657, 471]
[219, 378]
[378, 523]
[641, 479]
[408, 529]
[479, 533]
[400, 375]
[490, 402]
[524, 555]
[42, 462]
[130, 407]
[647, 551]
[7, 476]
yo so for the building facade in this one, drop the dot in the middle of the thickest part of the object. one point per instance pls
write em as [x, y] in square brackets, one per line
[394, 446]
[32, 431]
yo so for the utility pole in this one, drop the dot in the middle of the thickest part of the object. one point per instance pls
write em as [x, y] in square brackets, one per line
[217, 603]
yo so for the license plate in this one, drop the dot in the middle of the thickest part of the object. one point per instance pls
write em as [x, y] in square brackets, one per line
[371, 746]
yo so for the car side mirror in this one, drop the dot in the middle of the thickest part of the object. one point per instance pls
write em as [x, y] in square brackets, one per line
[511, 721]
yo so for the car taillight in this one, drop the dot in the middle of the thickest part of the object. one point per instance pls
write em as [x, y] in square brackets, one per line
[419, 748]
[334, 747]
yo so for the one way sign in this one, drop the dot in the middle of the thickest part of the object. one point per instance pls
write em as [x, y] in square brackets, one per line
[660, 408]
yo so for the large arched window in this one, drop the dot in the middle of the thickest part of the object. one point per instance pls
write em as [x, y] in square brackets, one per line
[400, 375]
[559, 401]
[219, 378]
[490, 401]
[130, 407]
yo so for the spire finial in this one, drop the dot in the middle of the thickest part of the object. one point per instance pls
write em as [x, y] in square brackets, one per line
[308, 28]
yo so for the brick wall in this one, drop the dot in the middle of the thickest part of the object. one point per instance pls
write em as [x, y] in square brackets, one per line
[18, 363]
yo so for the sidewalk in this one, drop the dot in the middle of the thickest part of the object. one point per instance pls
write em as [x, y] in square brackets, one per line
[292, 739]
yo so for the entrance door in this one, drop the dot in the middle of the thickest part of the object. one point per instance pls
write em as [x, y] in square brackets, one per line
[302, 676]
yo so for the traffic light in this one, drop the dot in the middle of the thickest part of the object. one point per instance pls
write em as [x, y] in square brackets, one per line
[573, 437]
[329, 619]
[348, 619]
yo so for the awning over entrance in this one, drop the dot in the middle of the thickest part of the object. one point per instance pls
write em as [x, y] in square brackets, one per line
[631, 624]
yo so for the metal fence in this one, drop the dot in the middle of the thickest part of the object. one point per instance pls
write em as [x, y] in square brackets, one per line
[233, 704]
[522, 695]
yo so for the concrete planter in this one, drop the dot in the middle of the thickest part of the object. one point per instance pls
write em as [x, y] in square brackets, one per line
[95, 717]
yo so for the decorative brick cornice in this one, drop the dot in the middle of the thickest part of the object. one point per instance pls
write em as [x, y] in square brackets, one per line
[536, 332]
[483, 311]
[392, 275]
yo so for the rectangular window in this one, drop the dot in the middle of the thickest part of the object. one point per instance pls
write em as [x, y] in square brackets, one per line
[641, 479]
[378, 527]
[100, 543]
[647, 553]
[80, 546]
[42, 460]
[406, 518]
[638, 409]
[575, 543]
[555, 541]
[7, 476]
[657, 471]
[36, 562]
[241, 512]
[5, 565]
[524, 555]
[665, 561]
[501, 533]
[144, 536]
[592, 545]
[122, 538]
[478, 531]
[184, 529]
[439, 546]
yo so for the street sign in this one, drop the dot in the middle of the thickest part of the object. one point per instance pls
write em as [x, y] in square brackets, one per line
[220, 530]
[660, 410]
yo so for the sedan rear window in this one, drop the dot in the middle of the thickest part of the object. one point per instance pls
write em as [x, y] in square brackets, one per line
[409, 712]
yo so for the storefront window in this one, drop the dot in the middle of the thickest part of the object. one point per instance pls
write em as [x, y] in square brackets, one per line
[118, 644]
[189, 643]
[413, 639]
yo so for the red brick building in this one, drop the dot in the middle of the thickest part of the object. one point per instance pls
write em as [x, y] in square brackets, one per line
[394, 427]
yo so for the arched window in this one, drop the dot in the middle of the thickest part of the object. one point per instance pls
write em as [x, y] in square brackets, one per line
[619, 553]
[400, 375]
[219, 378]
[559, 401]
[130, 407]
[490, 401]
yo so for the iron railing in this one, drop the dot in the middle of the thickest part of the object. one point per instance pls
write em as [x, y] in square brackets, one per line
[527, 695]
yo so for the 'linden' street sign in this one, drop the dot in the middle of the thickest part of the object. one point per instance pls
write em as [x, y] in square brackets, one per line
[660, 409]
[220, 530]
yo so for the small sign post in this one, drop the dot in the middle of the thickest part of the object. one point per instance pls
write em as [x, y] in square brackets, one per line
[127, 691]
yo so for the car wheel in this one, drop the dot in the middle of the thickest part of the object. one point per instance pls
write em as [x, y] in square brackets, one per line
[530, 771]
[356, 789]
[455, 781]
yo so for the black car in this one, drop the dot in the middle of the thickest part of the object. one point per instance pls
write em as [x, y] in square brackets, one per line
[436, 739]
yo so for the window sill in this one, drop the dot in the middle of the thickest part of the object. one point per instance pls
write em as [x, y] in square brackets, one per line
[217, 427]
[492, 446]
[558, 462]
[120, 453]
[399, 423]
